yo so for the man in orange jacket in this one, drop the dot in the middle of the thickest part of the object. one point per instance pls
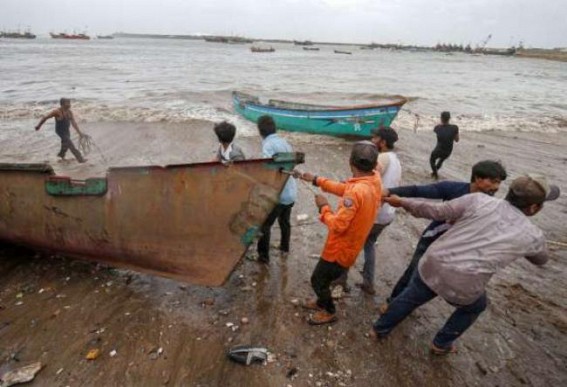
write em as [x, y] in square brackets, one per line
[348, 226]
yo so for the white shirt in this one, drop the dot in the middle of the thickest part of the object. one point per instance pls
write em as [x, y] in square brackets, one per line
[487, 235]
[391, 172]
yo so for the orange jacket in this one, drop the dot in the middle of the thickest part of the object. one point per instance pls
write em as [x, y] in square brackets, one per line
[350, 224]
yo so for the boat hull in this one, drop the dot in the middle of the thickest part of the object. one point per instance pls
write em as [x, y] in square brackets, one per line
[356, 121]
[186, 222]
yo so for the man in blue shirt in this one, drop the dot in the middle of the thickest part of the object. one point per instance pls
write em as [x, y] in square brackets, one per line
[272, 144]
[486, 177]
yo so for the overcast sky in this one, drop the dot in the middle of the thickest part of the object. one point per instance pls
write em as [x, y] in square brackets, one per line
[541, 23]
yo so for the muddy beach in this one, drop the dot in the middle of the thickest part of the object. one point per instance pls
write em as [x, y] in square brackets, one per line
[54, 309]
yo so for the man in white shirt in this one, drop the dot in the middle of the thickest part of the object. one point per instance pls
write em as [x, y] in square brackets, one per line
[391, 172]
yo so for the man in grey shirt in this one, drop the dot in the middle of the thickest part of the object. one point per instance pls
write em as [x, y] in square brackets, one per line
[488, 234]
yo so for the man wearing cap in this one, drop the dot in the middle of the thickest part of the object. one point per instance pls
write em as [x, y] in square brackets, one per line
[488, 234]
[446, 135]
[348, 226]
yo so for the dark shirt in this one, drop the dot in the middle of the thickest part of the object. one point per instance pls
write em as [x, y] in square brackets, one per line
[62, 125]
[446, 134]
[444, 190]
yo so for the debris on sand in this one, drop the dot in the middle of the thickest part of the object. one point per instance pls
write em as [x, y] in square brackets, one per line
[245, 354]
[93, 354]
[155, 353]
[20, 375]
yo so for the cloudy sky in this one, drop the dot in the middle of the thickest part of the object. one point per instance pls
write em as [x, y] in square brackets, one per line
[535, 22]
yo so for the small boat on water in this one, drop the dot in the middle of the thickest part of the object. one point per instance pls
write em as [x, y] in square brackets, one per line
[303, 43]
[346, 121]
[343, 52]
[107, 37]
[70, 36]
[262, 49]
[311, 48]
[17, 35]
[190, 222]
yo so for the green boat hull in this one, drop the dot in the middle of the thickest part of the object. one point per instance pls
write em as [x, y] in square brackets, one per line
[345, 122]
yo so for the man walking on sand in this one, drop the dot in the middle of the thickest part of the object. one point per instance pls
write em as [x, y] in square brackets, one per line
[486, 177]
[446, 135]
[63, 119]
[348, 226]
[488, 234]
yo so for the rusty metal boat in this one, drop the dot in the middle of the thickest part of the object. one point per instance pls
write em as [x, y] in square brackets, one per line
[189, 222]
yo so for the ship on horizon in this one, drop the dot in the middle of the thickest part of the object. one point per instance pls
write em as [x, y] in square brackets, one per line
[64, 35]
[17, 35]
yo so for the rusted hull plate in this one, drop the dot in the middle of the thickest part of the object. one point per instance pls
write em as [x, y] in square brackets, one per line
[187, 222]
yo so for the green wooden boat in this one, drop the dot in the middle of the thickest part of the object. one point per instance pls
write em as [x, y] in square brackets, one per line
[344, 121]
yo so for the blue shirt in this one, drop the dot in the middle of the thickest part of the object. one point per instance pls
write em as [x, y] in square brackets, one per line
[444, 190]
[275, 144]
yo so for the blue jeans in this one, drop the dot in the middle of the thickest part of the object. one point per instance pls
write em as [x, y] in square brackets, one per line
[370, 254]
[405, 279]
[418, 293]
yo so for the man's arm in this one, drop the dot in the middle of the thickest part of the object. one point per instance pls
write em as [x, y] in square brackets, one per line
[456, 133]
[450, 210]
[383, 163]
[430, 191]
[541, 255]
[54, 113]
[338, 222]
[74, 123]
[327, 185]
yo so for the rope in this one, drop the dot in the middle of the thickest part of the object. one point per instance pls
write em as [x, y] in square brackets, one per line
[295, 175]
[86, 143]
[416, 116]
[560, 244]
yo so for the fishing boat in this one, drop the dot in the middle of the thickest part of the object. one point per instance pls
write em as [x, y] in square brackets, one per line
[262, 49]
[69, 36]
[190, 222]
[311, 48]
[105, 37]
[343, 52]
[346, 121]
[17, 35]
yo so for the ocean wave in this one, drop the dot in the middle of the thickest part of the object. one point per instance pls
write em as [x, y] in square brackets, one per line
[179, 111]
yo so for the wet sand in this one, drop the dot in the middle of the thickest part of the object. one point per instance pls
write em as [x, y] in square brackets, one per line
[54, 309]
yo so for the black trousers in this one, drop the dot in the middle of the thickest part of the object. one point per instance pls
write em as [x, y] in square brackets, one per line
[436, 159]
[282, 212]
[67, 144]
[324, 274]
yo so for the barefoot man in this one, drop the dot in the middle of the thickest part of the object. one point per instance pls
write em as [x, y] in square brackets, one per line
[63, 119]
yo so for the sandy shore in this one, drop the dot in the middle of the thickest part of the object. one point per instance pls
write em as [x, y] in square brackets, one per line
[54, 309]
